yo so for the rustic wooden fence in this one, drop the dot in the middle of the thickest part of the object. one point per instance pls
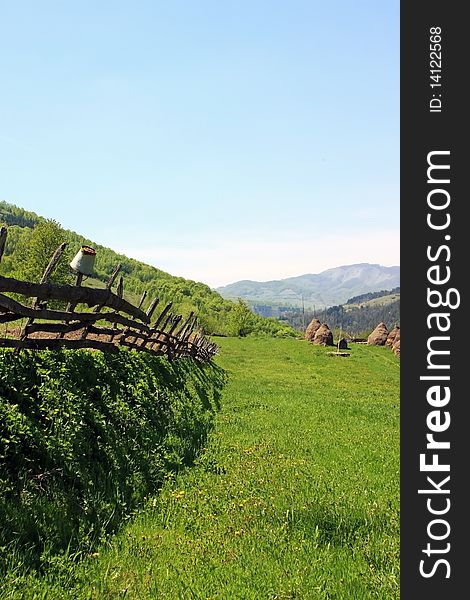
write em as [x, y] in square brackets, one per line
[124, 324]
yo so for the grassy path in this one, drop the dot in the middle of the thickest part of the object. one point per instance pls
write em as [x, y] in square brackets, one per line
[295, 496]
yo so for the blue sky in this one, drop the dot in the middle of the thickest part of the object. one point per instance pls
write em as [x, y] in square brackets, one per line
[217, 140]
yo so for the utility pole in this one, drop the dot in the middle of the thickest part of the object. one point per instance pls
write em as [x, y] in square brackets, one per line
[303, 313]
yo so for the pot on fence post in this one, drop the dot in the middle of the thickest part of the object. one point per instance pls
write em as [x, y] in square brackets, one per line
[84, 261]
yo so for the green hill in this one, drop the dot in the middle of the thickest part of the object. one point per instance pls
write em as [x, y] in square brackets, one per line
[359, 315]
[371, 298]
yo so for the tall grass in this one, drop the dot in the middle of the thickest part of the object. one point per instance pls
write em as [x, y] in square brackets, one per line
[296, 493]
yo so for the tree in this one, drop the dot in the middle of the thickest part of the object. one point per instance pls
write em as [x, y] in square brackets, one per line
[241, 319]
[35, 250]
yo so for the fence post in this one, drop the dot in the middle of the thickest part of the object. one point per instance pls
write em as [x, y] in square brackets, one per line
[3, 240]
[44, 279]
[119, 293]
[98, 307]
[169, 335]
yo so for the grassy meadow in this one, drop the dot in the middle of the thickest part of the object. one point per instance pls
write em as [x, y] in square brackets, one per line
[295, 495]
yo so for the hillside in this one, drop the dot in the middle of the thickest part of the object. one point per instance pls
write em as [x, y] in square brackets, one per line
[358, 316]
[328, 288]
[382, 297]
[216, 314]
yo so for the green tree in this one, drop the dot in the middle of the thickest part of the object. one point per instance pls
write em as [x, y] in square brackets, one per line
[35, 250]
[242, 320]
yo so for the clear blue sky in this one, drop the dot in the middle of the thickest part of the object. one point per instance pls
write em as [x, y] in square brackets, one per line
[217, 140]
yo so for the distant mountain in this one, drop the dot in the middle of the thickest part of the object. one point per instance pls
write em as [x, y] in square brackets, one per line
[328, 288]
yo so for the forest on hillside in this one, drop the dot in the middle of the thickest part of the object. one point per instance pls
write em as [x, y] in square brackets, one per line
[357, 321]
[32, 240]
[358, 316]
[372, 296]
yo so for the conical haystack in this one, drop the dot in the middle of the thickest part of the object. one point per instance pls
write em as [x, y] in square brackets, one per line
[323, 336]
[312, 329]
[397, 337]
[393, 336]
[379, 336]
[396, 348]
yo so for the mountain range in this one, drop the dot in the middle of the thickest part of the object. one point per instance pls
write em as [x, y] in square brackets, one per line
[328, 288]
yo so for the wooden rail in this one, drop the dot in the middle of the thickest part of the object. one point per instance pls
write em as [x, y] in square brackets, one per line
[113, 322]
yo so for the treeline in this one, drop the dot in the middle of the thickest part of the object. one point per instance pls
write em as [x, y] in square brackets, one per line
[13, 215]
[357, 321]
[32, 240]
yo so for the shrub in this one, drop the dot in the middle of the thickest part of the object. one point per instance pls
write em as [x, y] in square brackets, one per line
[85, 436]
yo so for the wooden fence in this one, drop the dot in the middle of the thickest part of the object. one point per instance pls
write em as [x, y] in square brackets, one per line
[124, 324]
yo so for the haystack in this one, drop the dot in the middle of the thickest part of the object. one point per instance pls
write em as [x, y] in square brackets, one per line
[312, 329]
[393, 336]
[396, 348]
[323, 336]
[343, 344]
[379, 336]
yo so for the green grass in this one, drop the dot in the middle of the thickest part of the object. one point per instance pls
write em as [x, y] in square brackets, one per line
[296, 494]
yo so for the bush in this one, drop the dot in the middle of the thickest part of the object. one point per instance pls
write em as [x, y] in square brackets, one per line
[86, 436]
